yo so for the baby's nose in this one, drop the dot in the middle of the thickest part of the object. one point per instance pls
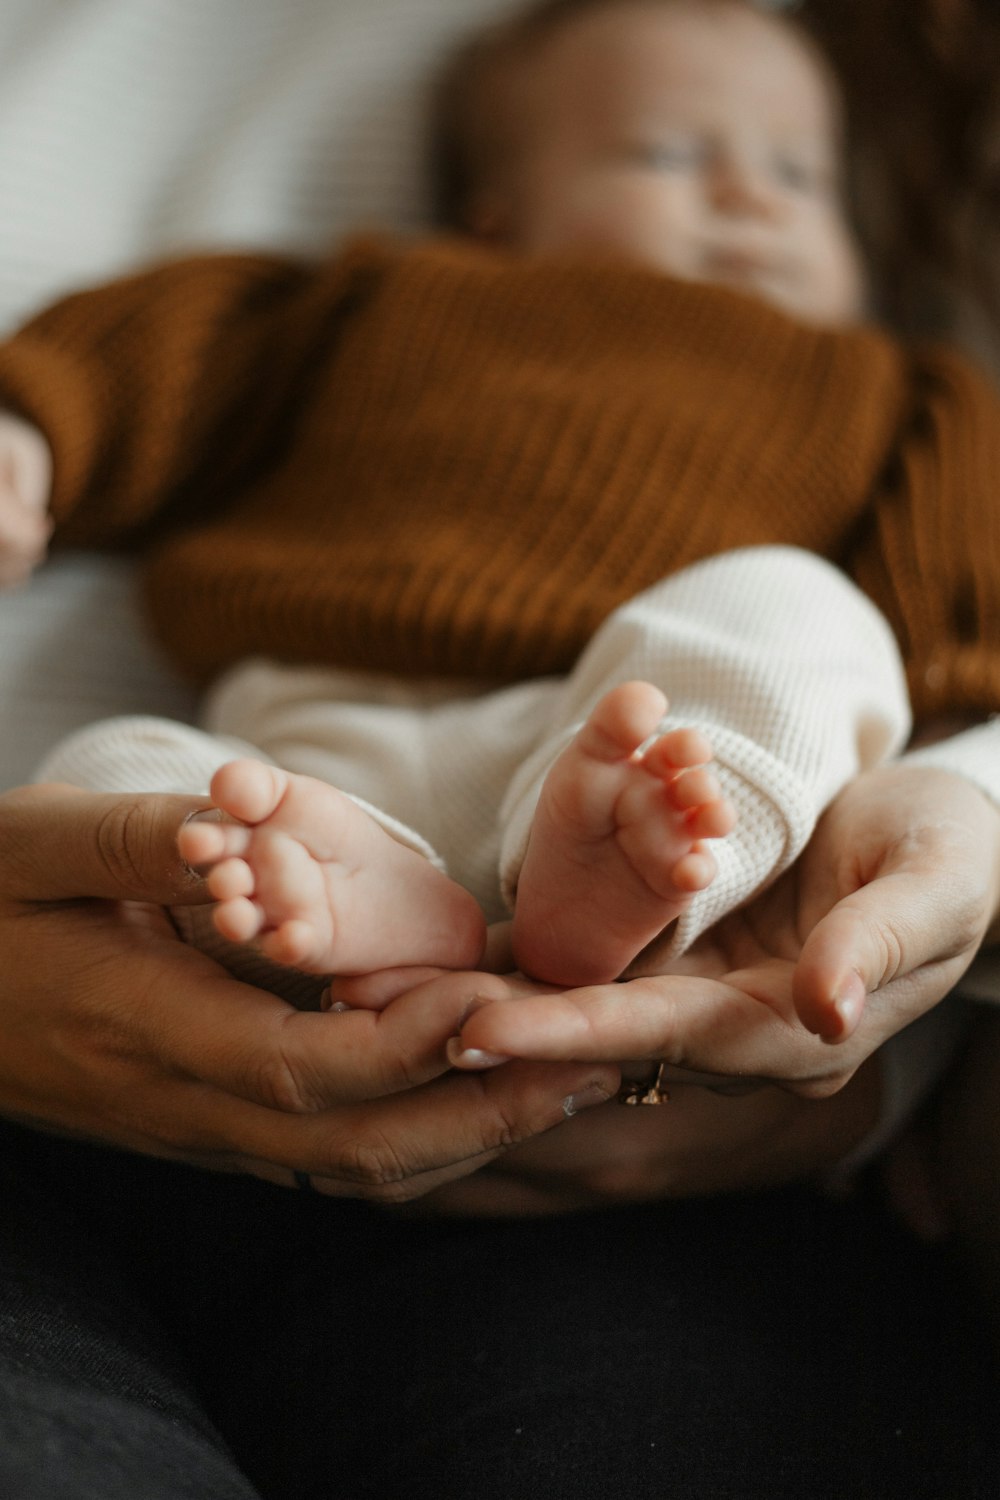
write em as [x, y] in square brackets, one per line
[740, 186]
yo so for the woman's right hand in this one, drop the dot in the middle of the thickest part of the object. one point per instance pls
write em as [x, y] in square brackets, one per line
[111, 1028]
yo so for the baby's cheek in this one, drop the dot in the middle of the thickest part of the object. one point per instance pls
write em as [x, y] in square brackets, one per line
[623, 218]
[839, 281]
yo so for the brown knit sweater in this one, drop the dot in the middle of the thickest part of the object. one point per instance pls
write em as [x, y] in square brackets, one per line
[438, 459]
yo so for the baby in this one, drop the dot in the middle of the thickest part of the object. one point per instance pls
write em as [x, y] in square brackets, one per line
[590, 436]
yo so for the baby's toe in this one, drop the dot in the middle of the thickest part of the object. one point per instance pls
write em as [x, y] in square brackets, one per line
[693, 788]
[622, 720]
[694, 871]
[229, 879]
[712, 820]
[206, 843]
[248, 789]
[239, 920]
[677, 750]
[293, 942]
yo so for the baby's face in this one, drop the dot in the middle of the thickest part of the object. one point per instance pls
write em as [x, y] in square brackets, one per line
[703, 141]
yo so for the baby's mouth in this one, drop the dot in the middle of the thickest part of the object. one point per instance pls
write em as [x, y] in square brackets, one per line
[737, 267]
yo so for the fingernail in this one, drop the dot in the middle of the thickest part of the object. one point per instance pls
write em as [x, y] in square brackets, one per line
[334, 1007]
[847, 1003]
[847, 1010]
[471, 1057]
[203, 815]
[587, 1098]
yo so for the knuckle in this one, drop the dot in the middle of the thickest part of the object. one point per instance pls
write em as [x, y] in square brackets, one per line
[124, 836]
[507, 1132]
[500, 1126]
[375, 1166]
[398, 1073]
[278, 1085]
[968, 922]
[890, 954]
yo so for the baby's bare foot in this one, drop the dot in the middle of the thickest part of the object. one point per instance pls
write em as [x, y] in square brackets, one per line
[319, 884]
[615, 851]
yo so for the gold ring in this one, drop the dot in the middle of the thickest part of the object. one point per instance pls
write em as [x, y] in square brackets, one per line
[633, 1093]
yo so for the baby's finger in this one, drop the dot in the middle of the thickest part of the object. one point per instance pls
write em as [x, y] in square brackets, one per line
[25, 462]
[24, 537]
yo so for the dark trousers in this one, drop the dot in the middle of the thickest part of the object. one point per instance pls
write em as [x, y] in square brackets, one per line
[170, 1334]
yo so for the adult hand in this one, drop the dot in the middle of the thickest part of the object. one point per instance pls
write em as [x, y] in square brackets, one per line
[878, 920]
[113, 1029]
[701, 1142]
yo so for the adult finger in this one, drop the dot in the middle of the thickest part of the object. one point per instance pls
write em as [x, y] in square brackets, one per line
[897, 926]
[250, 1043]
[742, 1027]
[391, 1150]
[58, 843]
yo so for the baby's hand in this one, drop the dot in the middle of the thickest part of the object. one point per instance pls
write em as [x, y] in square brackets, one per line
[25, 485]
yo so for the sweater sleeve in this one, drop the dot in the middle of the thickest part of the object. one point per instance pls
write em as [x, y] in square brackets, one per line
[161, 392]
[930, 557]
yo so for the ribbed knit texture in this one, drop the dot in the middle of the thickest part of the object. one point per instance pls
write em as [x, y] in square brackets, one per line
[435, 459]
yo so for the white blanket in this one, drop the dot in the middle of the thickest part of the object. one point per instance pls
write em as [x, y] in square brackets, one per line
[130, 129]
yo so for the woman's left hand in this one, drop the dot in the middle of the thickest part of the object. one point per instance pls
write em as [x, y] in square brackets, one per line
[880, 918]
[876, 923]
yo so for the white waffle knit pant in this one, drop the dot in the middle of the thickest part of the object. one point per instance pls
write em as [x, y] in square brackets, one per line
[790, 671]
[787, 667]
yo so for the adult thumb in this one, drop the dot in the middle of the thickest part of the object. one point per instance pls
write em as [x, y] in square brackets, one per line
[58, 843]
[884, 932]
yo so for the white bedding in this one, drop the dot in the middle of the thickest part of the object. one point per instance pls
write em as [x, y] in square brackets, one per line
[133, 128]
